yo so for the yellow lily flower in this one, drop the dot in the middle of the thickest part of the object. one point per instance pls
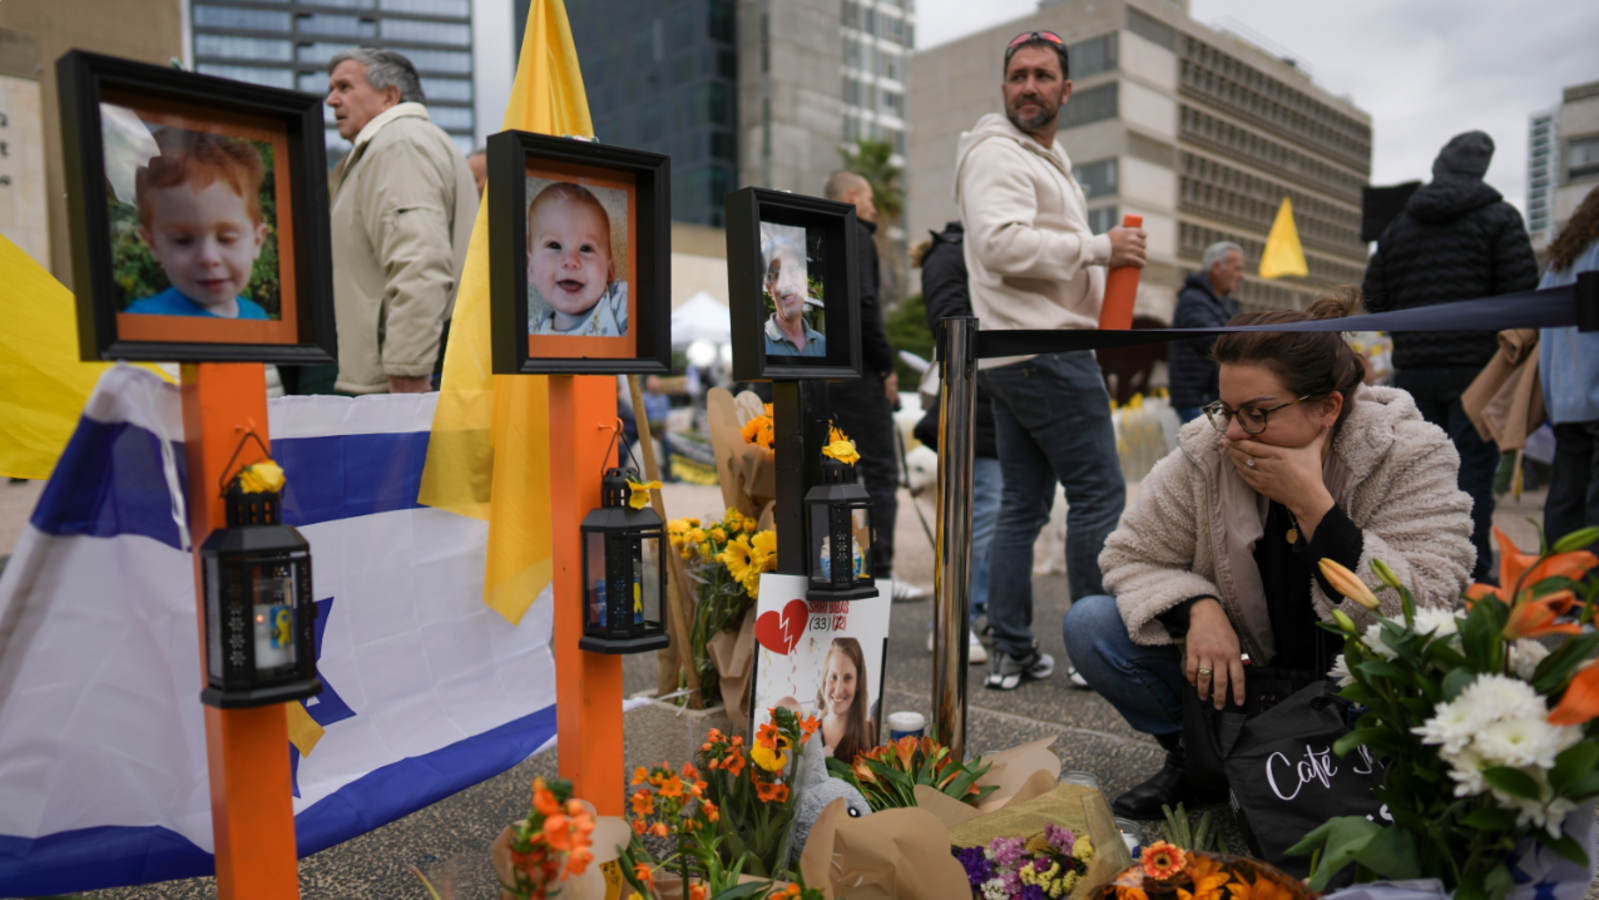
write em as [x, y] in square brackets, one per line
[1348, 584]
[640, 497]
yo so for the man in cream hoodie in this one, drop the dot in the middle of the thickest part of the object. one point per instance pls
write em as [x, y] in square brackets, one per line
[1034, 264]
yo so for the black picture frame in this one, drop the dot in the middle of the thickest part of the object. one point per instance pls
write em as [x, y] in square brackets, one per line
[746, 209]
[649, 277]
[84, 78]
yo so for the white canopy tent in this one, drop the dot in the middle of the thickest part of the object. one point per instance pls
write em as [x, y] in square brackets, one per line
[701, 318]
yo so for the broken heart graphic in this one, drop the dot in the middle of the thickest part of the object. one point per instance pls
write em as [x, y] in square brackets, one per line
[781, 632]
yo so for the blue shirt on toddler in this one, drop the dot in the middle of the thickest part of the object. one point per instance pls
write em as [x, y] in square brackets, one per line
[173, 302]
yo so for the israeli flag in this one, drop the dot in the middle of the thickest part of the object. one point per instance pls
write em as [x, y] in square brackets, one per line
[103, 768]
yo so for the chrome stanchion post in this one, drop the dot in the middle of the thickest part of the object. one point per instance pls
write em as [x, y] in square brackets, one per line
[957, 400]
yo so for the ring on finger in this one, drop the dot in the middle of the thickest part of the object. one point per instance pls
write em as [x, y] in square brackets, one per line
[1204, 671]
[1250, 462]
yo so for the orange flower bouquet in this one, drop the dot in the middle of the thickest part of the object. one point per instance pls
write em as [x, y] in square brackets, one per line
[551, 844]
[1168, 871]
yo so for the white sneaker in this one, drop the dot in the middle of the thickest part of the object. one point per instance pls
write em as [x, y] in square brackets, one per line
[904, 592]
[976, 653]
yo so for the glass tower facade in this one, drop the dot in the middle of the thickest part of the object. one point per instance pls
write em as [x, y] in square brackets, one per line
[287, 44]
[1542, 177]
[878, 38]
[662, 75]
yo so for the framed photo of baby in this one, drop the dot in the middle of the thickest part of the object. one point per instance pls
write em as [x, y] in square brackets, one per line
[579, 256]
[199, 216]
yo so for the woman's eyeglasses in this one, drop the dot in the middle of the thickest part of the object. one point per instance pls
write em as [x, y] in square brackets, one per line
[1251, 419]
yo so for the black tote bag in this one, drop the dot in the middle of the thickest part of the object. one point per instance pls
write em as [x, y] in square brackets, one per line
[1209, 734]
[1286, 781]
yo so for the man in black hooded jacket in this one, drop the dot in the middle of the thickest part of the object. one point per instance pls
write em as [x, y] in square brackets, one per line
[1457, 239]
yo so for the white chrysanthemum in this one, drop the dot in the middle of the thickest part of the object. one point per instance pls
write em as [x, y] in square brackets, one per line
[1465, 768]
[994, 889]
[1526, 740]
[1500, 697]
[1452, 726]
[1437, 622]
[1374, 642]
[1340, 671]
[1525, 655]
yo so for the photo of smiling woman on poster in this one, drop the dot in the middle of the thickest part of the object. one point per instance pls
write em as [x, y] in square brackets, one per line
[843, 703]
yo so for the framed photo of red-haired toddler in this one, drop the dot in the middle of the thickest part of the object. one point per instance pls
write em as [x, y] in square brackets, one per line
[198, 214]
[579, 256]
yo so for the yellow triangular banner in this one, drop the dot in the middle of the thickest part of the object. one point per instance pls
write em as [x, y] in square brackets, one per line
[488, 456]
[43, 383]
[1283, 255]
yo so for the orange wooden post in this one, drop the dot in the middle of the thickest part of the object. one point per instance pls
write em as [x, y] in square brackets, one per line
[252, 807]
[588, 686]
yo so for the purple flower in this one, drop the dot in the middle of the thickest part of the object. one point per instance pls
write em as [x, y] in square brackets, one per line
[1032, 892]
[1006, 852]
[978, 868]
[1060, 838]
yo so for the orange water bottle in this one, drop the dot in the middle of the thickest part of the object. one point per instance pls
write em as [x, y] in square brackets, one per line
[1121, 290]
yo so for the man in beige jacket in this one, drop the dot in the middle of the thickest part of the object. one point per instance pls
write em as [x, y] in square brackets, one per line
[402, 219]
[1035, 264]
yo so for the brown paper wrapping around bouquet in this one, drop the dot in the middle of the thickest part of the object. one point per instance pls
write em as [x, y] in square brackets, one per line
[747, 472]
[1075, 806]
[896, 853]
[1020, 773]
[602, 878]
[733, 652]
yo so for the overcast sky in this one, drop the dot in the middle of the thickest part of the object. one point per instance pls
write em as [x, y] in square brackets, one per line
[1425, 70]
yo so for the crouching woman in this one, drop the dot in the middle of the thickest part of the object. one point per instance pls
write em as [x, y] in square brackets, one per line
[1297, 461]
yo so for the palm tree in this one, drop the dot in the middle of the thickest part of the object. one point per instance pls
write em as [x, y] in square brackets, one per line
[870, 160]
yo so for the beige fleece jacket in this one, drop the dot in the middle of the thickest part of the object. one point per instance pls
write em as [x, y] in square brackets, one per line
[402, 220]
[1192, 531]
[1032, 261]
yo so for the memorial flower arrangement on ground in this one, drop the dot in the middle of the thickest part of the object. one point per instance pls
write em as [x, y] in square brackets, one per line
[551, 844]
[736, 805]
[723, 562]
[1487, 735]
[1046, 865]
[1165, 870]
[888, 775]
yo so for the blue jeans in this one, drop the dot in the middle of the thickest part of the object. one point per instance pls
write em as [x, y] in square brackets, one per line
[1437, 391]
[987, 483]
[1186, 414]
[1145, 684]
[1574, 491]
[1052, 424]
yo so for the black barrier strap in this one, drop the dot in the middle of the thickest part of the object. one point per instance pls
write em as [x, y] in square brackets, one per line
[1557, 307]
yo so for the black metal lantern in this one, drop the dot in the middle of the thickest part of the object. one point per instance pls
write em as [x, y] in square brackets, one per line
[260, 614]
[624, 574]
[838, 518]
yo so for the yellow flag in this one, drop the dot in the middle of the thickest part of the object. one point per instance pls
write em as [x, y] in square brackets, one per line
[488, 456]
[1283, 254]
[43, 385]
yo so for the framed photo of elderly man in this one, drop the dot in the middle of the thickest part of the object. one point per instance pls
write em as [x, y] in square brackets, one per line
[579, 257]
[791, 268]
[198, 216]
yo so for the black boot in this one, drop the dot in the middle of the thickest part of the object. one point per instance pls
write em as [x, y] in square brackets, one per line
[1168, 787]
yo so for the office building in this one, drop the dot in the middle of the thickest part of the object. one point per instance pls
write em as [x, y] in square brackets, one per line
[1542, 154]
[1577, 137]
[743, 92]
[1198, 130]
[288, 45]
[33, 35]
[664, 77]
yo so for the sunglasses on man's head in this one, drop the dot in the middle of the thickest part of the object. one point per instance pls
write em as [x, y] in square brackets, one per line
[1028, 37]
